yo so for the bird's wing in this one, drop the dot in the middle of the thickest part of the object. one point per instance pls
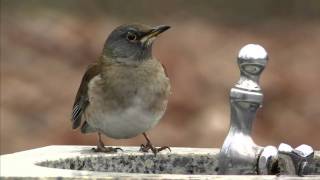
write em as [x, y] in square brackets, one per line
[82, 100]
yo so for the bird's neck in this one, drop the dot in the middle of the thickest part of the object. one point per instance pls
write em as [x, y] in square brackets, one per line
[105, 60]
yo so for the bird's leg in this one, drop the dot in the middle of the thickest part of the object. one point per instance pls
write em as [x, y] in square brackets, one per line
[148, 145]
[102, 148]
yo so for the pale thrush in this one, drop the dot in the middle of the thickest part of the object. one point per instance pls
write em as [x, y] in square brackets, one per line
[125, 93]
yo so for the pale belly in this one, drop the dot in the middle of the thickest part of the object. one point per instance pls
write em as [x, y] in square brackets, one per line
[124, 123]
[109, 117]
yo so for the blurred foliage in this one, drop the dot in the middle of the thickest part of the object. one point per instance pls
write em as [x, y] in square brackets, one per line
[223, 11]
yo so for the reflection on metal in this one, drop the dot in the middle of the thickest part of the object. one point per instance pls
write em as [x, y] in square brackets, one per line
[239, 154]
[268, 161]
[295, 161]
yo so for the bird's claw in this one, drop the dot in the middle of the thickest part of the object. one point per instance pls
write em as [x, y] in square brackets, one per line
[146, 147]
[106, 149]
[163, 148]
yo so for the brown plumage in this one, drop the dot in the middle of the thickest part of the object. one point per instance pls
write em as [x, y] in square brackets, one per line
[126, 92]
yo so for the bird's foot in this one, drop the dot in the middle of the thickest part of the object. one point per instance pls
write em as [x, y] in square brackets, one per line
[106, 149]
[146, 147]
[102, 148]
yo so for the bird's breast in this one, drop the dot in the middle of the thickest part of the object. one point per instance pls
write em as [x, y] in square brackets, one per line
[125, 102]
[144, 85]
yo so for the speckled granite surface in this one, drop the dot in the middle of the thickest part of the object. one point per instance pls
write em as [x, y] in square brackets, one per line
[65, 162]
[174, 163]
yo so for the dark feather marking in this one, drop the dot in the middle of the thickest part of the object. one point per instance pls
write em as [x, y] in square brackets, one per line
[165, 70]
[76, 111]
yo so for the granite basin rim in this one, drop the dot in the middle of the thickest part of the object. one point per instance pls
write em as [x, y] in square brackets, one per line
[133, 161]
[31, 164]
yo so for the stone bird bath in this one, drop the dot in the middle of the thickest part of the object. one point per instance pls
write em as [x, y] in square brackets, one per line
[239, 157]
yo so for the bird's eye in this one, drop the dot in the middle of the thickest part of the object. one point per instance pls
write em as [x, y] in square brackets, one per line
[131, 36]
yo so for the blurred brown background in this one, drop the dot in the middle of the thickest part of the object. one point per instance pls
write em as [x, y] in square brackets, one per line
[46, 46]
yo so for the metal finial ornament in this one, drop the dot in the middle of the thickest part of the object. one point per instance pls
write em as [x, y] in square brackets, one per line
[252, 60]
[239, 154]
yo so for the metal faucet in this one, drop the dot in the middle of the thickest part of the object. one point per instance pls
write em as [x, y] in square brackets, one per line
[239, 154]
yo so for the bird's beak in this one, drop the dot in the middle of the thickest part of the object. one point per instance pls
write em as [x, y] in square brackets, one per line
[158, 30]
[154, 32]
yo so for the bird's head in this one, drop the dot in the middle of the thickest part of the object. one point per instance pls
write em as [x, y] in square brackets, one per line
[131, 43]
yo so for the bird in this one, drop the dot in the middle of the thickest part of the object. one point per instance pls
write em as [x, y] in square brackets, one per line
[125, 92]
